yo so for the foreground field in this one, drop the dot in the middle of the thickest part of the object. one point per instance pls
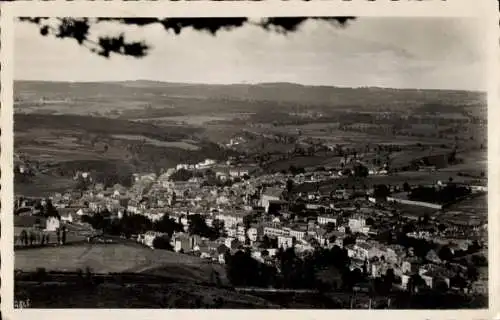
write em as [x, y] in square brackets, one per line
[107, 258]
[168, 294]
[109, 295]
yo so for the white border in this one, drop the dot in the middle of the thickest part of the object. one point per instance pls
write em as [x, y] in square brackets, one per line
[485, 9]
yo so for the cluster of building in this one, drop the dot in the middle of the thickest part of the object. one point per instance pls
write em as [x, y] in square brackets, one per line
[256, 214]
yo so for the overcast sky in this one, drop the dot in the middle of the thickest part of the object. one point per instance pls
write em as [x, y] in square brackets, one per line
[437, 53]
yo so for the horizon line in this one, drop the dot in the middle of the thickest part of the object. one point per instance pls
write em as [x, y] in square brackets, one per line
[250, 84]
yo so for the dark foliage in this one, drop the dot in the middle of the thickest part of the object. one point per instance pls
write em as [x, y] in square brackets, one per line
[360, 171]
[406, 187]
[162, 243]
[292, 271]
[295, 170]
[420, 246]
[167, 225]
[128, 225]
[198, 226]
[181, 175]
[381, 191]
[79, 29]
[444, 195]
[445, 253]
[243, 270]
[48, 210]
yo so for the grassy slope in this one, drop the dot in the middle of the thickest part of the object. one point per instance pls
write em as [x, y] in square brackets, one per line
[104, 258]
[189, 285]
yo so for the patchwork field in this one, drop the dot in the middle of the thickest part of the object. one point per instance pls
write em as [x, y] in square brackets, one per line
[413, 178]
[132, 126]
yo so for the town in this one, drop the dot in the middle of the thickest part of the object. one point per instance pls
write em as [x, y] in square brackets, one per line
[270, 234]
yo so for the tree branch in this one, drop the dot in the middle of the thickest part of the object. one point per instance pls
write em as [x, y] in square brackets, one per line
[79, 29]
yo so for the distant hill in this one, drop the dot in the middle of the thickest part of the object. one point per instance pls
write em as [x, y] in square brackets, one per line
[279, 93]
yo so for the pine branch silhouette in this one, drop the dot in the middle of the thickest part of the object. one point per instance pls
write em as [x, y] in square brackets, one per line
[79, 29]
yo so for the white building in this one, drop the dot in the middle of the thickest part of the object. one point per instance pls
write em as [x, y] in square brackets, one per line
[231, 219]
[275, 232]
[325, 219]
[205, 164]
[285, 242]
[238, 172]
[254, 233]
[357, 224]
[52, 224]
[298, 234]
[67, 218]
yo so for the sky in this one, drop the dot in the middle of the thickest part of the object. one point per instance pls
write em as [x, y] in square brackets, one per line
[425, 53]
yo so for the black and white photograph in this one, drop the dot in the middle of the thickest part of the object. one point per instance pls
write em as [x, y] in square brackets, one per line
[306, 162]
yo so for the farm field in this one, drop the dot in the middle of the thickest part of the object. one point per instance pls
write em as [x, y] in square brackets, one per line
[474, 162]
[43, 185]
[176, 144]
[412, 177]
[477, 205]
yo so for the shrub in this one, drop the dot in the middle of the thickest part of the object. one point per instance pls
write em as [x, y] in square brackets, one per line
[162, 243]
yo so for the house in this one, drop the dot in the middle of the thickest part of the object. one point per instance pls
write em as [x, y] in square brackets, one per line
[221, 172]
[52, 224]
[394, 253]
[435, 276]
[232, 243]
[184, 221]
[275, 231]
[285, 242]
[82, 211]
[255, 233]
[154, 216]
[432, 280]
[303, 247]
[298, 232]
[223, 200]
[364, 251]
[240, 233]
[357, 224]
[325, 219]
[207, 163]
[185, 243]
[405, 281]
[379, 269]
[404, 268]
[144, 177]
[232, 218]
[239, 172]
[270, 194]
[97, 206]
[321, 235]
[119, 190]
[68, 218]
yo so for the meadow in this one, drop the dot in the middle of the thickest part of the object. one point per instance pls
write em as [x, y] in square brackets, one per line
[116, 258]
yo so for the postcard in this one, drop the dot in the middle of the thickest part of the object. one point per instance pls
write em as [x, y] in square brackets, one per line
[321, 159]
